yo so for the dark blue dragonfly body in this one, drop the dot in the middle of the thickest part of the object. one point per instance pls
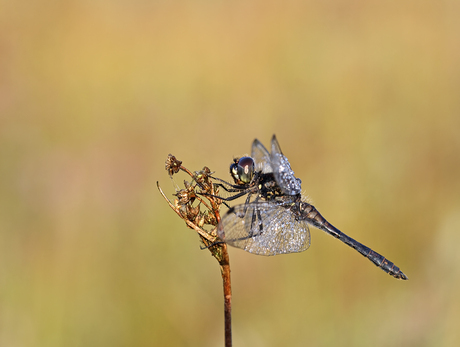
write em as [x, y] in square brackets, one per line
[275, 218]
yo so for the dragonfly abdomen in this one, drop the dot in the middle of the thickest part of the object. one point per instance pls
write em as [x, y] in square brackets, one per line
[378, 259]
[311, 215]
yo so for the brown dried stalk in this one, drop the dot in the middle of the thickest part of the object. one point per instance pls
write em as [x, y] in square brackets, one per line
[195, 219]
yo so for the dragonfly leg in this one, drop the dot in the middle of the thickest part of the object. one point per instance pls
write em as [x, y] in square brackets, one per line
[234, 186]
[236, 196]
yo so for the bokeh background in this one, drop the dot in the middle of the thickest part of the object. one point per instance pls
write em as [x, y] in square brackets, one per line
[364, 97]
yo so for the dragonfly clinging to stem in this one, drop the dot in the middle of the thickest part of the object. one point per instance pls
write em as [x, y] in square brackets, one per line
[275, 217]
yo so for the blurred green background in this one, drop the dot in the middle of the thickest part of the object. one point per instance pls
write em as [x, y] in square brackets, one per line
[364, 97]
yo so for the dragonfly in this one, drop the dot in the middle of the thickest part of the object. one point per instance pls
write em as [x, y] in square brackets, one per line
[275, 216]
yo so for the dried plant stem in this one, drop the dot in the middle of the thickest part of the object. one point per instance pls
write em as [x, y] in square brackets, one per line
[225, 271]
[195, 219]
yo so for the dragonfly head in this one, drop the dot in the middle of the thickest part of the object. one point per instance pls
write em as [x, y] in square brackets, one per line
[242, 170]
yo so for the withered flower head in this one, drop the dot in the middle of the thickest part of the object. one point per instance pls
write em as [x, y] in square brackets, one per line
[202, 179]
[206, 212]
[186, 195]
[172, 165]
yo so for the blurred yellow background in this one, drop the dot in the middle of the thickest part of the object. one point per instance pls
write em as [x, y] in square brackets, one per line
[364, 97]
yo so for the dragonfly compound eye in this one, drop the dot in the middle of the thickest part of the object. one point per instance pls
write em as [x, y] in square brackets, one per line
[242, 170]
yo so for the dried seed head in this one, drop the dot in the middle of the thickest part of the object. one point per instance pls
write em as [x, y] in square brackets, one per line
[210, 218]
[186, 195]
[172, 165]
[202, 179]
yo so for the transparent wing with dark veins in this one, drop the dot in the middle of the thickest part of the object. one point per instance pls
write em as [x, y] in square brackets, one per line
[284, 175]
[261, 157]
[264, 228]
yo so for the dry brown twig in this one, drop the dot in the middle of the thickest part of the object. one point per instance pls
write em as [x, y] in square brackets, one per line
[196, 219]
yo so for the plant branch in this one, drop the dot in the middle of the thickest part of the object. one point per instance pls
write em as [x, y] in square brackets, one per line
[195, 219]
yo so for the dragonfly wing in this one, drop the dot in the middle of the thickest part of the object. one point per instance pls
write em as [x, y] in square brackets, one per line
[261, 157]
[284, 175]
[264, 228]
